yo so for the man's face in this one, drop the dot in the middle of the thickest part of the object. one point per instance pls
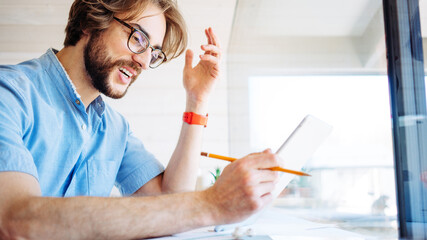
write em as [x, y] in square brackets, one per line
[110, 64]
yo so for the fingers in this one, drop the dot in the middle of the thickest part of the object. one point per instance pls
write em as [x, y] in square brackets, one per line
[263, 160]
[212, 38]
[268, 150]
[266, 175]
[245, 186]
[212, 48]
[258, 192]
[209, 58]
[265, 189]
[208, 36]
[213, 58]
[257, 181]
[261, 186]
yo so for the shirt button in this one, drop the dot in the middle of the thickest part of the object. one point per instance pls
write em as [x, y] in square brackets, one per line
[83, 127]
[78, 102]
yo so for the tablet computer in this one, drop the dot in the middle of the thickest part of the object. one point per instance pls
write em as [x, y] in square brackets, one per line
[294, 152]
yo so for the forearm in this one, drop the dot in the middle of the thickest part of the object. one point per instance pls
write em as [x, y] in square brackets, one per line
[107, 218]
[181, 172]
[243, 188]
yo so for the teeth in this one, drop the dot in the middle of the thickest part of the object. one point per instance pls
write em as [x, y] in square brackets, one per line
[126, 72]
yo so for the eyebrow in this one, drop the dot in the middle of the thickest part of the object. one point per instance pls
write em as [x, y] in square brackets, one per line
[138, 27]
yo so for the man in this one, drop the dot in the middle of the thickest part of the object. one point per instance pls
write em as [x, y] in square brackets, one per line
[62, 148]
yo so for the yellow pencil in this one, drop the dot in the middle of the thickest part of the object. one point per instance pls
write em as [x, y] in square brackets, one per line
[230, 159]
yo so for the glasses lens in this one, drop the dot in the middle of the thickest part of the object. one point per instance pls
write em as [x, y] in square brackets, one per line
[137, 42]
[157, 58]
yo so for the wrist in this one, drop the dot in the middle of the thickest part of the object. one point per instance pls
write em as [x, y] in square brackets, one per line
[213, 215]
[198, 107]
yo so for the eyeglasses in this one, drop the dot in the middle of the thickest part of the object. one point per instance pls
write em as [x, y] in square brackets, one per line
[138, 43]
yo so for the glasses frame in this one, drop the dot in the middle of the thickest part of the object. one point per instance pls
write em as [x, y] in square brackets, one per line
[133, 30]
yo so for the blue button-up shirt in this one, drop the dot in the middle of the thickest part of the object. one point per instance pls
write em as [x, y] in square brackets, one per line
[46, 131]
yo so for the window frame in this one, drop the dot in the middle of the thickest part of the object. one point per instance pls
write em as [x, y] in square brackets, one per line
[408, 107]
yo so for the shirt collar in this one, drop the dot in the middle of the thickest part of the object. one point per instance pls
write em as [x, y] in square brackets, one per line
[51, 53]
[66, 86]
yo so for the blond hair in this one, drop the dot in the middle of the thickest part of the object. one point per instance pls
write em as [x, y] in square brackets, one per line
[97, 15]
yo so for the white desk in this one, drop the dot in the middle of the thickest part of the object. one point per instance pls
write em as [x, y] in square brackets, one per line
[274, 224]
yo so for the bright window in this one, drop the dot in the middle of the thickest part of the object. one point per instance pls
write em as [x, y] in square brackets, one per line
[352, 172]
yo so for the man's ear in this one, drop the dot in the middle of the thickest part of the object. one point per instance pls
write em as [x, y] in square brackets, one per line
[84, 36]
[86, 32]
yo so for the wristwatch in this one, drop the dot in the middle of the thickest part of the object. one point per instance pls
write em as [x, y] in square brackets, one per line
[194, 118]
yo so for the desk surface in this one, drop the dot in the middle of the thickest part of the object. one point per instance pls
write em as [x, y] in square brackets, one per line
[274, 224]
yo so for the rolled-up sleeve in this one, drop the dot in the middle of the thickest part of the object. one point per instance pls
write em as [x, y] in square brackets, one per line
[15, 115]
[137, 168]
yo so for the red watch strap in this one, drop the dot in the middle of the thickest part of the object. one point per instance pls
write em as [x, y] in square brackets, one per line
[194, 118]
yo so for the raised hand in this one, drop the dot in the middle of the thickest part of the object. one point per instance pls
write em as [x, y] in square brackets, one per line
[199, 81]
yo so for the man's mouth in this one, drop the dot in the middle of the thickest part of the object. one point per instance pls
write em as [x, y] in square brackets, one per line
[126, 72]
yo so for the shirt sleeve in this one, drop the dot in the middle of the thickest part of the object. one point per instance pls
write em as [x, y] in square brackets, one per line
[137, 168]
[15, 115]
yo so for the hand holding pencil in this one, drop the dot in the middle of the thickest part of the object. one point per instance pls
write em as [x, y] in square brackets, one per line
[244, 187]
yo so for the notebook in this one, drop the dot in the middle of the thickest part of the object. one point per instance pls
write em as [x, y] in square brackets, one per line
[294, 152]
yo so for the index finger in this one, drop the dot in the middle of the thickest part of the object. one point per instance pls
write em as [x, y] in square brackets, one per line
[212, 38]
[264, 160]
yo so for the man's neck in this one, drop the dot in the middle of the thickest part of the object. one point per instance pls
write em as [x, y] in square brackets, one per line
[72, 60]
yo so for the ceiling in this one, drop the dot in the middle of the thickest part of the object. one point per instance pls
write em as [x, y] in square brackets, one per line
[309, 36]
[29, 27]
[315, 18]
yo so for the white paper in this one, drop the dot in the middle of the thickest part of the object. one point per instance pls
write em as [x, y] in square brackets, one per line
[275, 224]
[299, 147]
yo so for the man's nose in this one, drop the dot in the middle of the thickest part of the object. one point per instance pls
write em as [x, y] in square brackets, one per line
[143, 59]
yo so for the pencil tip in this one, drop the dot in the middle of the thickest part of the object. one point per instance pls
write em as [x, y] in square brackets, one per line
[204, 154]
